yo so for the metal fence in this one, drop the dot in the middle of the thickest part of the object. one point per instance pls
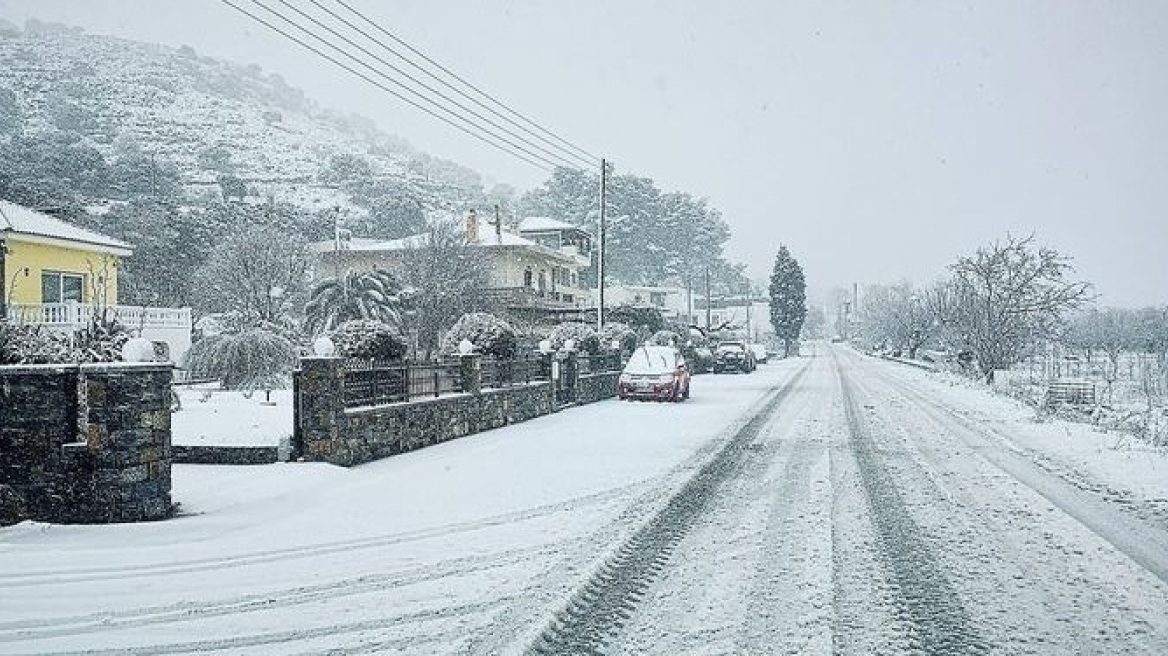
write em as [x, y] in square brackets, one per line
[598, 364]
[368, 382]
[499, 372]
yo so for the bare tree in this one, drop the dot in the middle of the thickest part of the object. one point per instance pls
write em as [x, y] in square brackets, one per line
[261, 273]
[1009, 295]
[445, 277]
[903, 317]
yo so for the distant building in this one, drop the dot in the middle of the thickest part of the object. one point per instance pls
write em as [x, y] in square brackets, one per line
[672, 302]
[533, 270]
[56, 274]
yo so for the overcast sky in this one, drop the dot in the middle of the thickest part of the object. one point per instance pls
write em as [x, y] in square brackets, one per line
[878, 140]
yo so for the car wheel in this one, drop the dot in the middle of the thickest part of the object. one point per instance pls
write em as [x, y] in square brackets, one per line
[685, 397]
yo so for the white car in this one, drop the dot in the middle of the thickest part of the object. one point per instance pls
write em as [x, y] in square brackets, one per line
[760, 353]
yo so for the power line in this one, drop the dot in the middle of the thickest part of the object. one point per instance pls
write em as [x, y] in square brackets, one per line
[537, 162]
[578, 151]
[520, 146]
[562, 157]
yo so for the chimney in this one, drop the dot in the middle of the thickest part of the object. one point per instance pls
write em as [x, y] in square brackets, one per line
[472, 227]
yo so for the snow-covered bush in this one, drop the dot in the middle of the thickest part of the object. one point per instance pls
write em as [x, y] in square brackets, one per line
[582, 334]
[667, 338]
[490, 334]
[625, 337]
[249, 360]
[368, 339]
[100, 341]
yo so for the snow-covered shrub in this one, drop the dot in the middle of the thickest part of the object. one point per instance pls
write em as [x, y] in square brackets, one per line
[22, 344]
[249, 360]
[584, 336]
[490, 334]
[100, 341]
[368, 339]
[666, 338]
[625, 337]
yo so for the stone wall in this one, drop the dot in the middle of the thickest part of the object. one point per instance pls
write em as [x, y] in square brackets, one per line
[596, 387]
[327, 431]
[38, 416]
[224, 455]
[87, 444]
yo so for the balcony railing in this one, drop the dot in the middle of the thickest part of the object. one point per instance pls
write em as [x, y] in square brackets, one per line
[77, 315]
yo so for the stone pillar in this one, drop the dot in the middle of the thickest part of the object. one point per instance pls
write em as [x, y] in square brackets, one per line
[127, 435]
[570, 370]
[38, 414]
[321, 409]
[470, 371]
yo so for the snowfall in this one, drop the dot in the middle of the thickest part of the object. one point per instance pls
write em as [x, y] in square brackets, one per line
[469, 546]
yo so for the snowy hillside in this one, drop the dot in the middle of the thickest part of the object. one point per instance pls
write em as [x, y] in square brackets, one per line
[206, 116]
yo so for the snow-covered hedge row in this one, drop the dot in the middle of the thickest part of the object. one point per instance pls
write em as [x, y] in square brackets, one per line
[585, 337]
[490, 334]
[368, 339]
[98, 342]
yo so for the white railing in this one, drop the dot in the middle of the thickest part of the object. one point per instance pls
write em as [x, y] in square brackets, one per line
[76, 315]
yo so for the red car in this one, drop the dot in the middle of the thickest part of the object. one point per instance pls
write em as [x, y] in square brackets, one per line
[655, 372]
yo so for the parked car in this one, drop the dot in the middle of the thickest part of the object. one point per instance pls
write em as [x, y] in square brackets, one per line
[702, 361]
[655, 372]
[760, 353]
[733, 357]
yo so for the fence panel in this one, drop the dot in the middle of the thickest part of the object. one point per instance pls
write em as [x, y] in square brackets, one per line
[368, 382]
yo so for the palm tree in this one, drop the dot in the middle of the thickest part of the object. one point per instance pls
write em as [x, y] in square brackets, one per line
[374, 295]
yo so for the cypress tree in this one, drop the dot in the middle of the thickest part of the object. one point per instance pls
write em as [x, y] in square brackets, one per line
[788, 300]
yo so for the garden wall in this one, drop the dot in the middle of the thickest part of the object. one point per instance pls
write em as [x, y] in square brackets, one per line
[327, 431]
[85, 444]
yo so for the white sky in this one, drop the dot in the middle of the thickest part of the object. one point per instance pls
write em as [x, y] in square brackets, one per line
[877, 140]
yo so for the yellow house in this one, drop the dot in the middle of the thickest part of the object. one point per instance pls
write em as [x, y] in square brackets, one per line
[48, 262]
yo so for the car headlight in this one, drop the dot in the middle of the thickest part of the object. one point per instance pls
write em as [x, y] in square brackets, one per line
[665, 378]
[625, 378]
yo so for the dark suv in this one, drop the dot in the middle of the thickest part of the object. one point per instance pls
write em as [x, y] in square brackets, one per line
[733, 357]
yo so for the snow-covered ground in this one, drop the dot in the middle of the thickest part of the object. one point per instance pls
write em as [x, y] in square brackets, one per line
[213, 417]
[868, 508]
[455, 546]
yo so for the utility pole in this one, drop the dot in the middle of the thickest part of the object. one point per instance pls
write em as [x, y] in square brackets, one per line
[748, 324]
[337, 243]
[689, 317]
[707, 299]
[600, 256]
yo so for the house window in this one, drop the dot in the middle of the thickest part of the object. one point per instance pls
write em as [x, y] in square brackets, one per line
[58, 287]
[527, 278]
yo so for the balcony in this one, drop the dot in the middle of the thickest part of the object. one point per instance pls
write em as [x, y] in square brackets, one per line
[527, 298]
[77, 315]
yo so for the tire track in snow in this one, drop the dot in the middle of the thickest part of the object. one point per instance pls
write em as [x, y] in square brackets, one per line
[1146, 546]
[42, 628]
[45, 577]
[926, 600]
[291, 637]
[602, 605]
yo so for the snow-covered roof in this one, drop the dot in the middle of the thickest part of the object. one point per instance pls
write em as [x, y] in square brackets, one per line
[487, 238]
[19, 220]
[537, 223]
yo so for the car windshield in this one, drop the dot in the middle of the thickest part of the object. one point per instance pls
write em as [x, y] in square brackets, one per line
[649, 360]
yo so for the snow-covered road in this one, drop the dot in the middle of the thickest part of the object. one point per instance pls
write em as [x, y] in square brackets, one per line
[829, 504]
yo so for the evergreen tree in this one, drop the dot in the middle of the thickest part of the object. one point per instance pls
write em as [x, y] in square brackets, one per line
[788, 300]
